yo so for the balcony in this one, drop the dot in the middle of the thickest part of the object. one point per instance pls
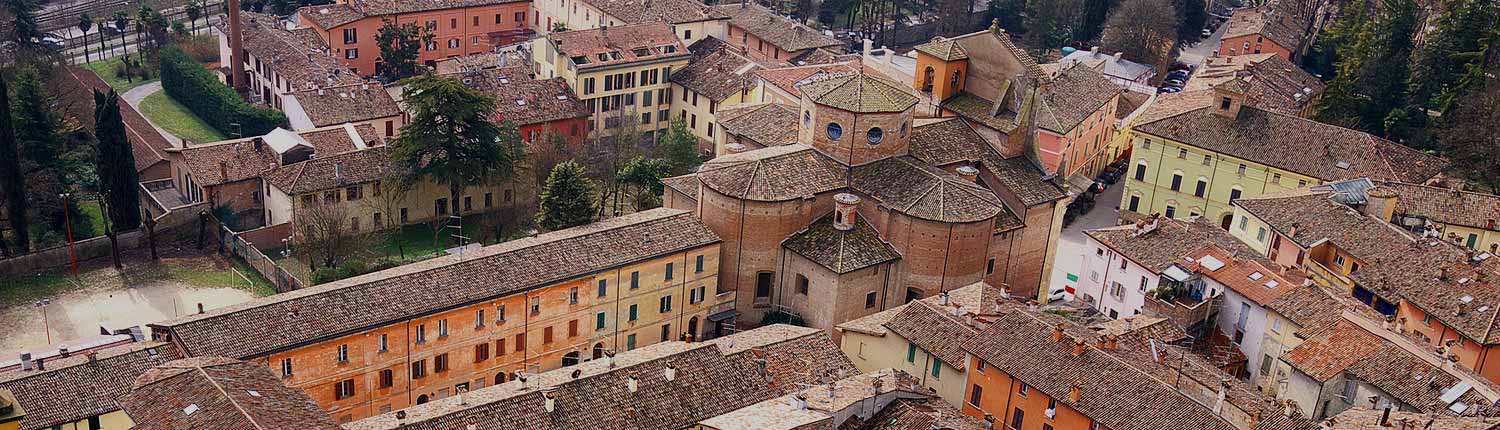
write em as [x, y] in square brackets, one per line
[1190, 312]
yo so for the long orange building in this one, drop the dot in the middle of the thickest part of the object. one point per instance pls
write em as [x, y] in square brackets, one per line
[458, 27]
[420, 332]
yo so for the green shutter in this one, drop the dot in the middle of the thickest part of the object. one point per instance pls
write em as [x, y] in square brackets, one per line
[911, 352]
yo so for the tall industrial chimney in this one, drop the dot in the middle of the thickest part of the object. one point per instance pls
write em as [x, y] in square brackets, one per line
[237, 76]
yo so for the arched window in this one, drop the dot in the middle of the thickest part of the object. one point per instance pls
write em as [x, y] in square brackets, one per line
[927, 78]
[802, 283]
[570, 359]
[422, 399]
[956, 76]
[807, 118]
[598, 350]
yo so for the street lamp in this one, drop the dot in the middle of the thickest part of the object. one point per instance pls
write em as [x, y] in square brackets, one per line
[45, 327]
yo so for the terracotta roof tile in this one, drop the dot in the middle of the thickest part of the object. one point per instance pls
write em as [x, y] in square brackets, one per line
[978, 109]
[333, 15]
[223, 394]
[841, 251]
[766, 124]
[1288, 142]
[1019, 344]
[1268, 21]
[1448, 206]
[75, 92]
[859, 93]
[789, 78]
[1255, 279]
[916, 414]
[330, 15]
[1311, 307]
[299, 56]
[330, 172]
[686, 184]
[348, 103]
[524, 100]
[1369, 419]
[1074, 94]
[646, 11]
[1172, 240]
[717, 73]
[944, 49]
[909, 186]
[773, 174]
[1274, 83]
[523, 264]
[625, 44]
[73, 389]
[784, 33]
[947, 141]
[934, 330]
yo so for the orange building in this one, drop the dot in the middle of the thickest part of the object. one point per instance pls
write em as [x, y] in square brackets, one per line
[458, 27]
[536, 106]
[1031, 375]
[429, 330]
[1273, 28]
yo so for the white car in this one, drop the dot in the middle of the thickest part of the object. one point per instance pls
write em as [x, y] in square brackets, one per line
[1058, 293]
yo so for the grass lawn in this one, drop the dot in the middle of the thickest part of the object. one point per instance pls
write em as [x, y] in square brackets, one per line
[95, 214]
[106, 70]
[199, 271]
[172, 116]
[246, 279]
[29, 288]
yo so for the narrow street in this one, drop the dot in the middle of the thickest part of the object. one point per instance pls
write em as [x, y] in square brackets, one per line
[1072, 243]
[1195, 54]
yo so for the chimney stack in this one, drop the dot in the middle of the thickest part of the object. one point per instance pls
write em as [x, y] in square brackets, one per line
[1075, 393]
[41, 365]
[844, 211]
[1078, 346]
[93, 358]
[1385, 417]
[62, 351]
[237, 75]
[200, 308]
[670, 372]
[25, 361]
[224, 171]
[734, 148]
[1057, 332]
[969, 173]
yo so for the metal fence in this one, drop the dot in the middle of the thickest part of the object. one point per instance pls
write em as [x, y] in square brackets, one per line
[235, 244]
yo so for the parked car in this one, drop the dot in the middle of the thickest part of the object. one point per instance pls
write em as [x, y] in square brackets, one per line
[1056, 293]
[1177, 83]
[1178, 74]
[1208, 32]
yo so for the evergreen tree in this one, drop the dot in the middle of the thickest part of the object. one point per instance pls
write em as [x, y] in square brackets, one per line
[644, 174]
[1050, 23]
[1467, 134]
[24, 30]
[452, 137]
[567, 200]
[42, 159]
[1194, 14]
[1007, 14]
[1095, 12]
[118, 182]
[1373, 73]
[13, 190]
[1449, 48]
[399, 46]
[679, 148]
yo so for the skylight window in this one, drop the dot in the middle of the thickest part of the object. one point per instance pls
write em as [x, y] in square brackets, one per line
[1255, 276]
[1466, 299]
[1342, 165]
[253, 393]
[190, 409]
[521, 102]
[603, 57]
[668, 49]
[580, 59]
[1272, 283]
[641, 52]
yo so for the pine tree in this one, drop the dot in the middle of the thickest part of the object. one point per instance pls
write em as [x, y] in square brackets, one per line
[452, 137]
[1007, 14]
[40, 149]
[1450, 48]
[1373, 72]
[1095, 12]
[1467, 134]
[679, 148]
[1050, 23]
[399, 46]
[118, 180]
[567, 200]
[13, 190]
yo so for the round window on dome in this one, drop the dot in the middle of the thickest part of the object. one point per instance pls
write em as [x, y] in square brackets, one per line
[875, 135]
[835, 131]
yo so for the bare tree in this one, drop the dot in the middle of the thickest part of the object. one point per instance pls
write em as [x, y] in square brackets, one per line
[1142, 29]
[327, 235]
[386, 199]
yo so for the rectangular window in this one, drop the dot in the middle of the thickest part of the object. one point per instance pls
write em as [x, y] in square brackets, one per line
[440, 363]
[520, 342]
[351, 36]
[666, 303]
[1135, 204]
[499, 314]
[632, 313]
[937, 367]
[573, 328]
[343, 389]
[419, 369]
[343, 353]
[635, 280]
[1202, 188]
[911, 352]
[286, 367]
[481, 352]
[1017, 419]
[421, 335]
[698, 264]
[599, 321]
[1140, 172]
[536, 305]
[1176, 183]
[603, 287]
[669, 272]
[442, 328]
[630, 342]
[666, 332]
[546, 335]
[1023, 390]
[384, 345]
[387, 378]
[499, 347]
[479, 319]
[975, 394]
[869, 300]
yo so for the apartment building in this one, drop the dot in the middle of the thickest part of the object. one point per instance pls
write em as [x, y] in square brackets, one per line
[689, 20]
[219, 393]
[429, 330]
[771, 38]
[720, 76]
[1277, 27]
[1075, 120]
[923, 338]
[363, 103]
[78, 391]
[623, 73]
[1194, 152]
[1291, 319]
[538, 107]
[1467, 218]
[1124, 265]
[281, 58]
[1272, 82]
[348, 28]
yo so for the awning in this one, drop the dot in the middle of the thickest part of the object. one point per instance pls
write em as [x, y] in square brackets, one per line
[1176, 273]
[723, 315]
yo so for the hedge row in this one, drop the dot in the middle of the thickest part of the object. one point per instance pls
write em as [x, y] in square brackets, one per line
[200, 91]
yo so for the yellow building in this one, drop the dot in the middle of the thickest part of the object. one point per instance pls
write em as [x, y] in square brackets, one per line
[623, 73]
[1289, 319]
[720, 76]
[70, 392]
[1468, 219]
[1194, 152]
[921, 338]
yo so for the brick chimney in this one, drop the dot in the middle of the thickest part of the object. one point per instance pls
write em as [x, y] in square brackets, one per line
[845, 209]
[734, 148]
[1057, 332]
[237, 77]
[1381, 203]
[1075, 393]
[1078, 345]
[969, 173]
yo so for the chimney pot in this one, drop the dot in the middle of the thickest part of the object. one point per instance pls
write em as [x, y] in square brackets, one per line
[845, 209]
[200, 308]
[1057, 332]
[41, 364]
[1075, 393]
[1078, 347]
[26, 361]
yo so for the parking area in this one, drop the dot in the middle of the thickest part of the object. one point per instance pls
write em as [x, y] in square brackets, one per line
[1071, 244]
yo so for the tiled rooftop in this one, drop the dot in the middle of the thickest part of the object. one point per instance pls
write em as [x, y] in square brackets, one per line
[1074, 94]
[767, 124]
[75, 388]
[333, 15]
[773, 174]
[789, 78]
[783, 32]
[299, 56]
[838, 250]
[1274, 83]
[1444, 205]
[1370, 419]
[407, 291]
[524, 100]
[1307, 147]
[915, 188]
[859, 93]
[332, 171]
[943, 49]
[980, 110]
[626, 44]
[346, 103]
[222, 394]
[75, 93]
[717, 72]
[668, 11]
[1172, 240]
[1278, 21]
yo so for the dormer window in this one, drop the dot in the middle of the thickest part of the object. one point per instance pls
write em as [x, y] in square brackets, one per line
[1224, 103]
[668, 49]
[603, 57]
[641, 52]
[580, 59]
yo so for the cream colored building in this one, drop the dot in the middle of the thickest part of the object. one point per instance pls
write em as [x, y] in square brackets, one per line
[921, 338]
[71, 393]
[688, 19]
[623, 73]
[720, 76]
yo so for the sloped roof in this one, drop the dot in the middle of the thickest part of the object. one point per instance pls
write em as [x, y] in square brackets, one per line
[1019, 344]
[977, 109]
[1271, 81]
[934, 330]
[944, 49]
[1074, 94]
[330, 172]
[304, 315]
[523, 100]
[73, 389]
[147, 145]
[333, 15]
[647, 11]
[299, 56]
[1172, 240]
[347, 103]
[1277, 21]
[1444, 205]
[1284, 141]
[716, 73]
[784, 33]
[223, 394]
[1311, 307]
[838, 250]
[619, 44]
[789, 78]
[768, 124]
[914, 188]
[776, 173]
[917, 414]
[1260, 282]
[859, 93]
[1348, 348]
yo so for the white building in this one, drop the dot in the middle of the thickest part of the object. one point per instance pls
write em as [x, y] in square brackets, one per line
[1122, 264]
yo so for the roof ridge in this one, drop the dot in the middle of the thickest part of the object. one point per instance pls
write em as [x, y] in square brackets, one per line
[227, 397]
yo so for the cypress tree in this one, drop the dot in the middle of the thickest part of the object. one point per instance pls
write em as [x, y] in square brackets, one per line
[118, 180]
[13, 189]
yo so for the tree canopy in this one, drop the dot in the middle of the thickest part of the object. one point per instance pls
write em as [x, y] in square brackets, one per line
[452, 137]
[399, 46]
[568, 199]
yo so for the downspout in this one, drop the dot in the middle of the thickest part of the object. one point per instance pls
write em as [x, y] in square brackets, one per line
[616, 335]
[1042, 295]
[885, 286]
[1159, 160]
[947, 249]
[409, 381]
[1009, 393]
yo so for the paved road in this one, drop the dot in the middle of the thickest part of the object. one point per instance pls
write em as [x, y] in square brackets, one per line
[1071, 245]
[1204, 48]
[134, 97]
